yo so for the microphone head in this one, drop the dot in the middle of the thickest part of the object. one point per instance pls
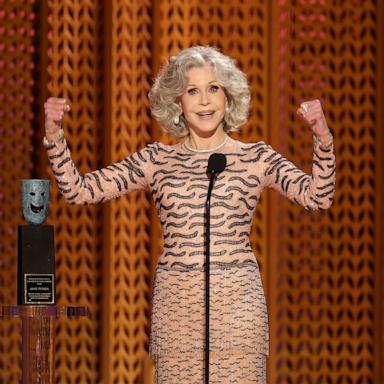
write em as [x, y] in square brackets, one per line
[216, 163]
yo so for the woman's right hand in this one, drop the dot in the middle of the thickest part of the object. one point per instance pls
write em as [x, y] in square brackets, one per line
[54, 109]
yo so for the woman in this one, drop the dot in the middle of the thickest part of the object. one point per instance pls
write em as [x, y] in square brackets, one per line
[201, 95]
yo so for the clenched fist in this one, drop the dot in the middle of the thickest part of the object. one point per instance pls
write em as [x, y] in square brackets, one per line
[54, 109]
[312, 113]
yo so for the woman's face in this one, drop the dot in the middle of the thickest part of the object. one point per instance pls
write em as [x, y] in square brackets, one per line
[204, 102]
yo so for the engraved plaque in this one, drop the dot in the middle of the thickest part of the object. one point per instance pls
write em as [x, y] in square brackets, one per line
[36, 265]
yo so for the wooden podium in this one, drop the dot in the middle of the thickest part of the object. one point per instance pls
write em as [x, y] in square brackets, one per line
[38, 338]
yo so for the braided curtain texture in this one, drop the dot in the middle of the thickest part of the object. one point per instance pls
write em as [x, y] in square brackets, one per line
[17, 50]
[321, 271]
[325, 291]
[74, 66]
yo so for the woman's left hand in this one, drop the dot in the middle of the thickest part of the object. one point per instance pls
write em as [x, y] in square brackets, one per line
[312, 113]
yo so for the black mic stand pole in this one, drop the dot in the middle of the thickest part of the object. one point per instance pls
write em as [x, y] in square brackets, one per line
[207, 266]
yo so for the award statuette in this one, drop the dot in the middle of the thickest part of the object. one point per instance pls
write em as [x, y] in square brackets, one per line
[36, 251]
[36, 287]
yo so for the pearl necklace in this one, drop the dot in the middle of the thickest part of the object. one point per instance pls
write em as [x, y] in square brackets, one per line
[209, 149]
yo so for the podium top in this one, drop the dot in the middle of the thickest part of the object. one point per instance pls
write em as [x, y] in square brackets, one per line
[42, 311]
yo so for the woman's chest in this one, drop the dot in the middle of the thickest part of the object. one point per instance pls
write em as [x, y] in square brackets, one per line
[182, 186]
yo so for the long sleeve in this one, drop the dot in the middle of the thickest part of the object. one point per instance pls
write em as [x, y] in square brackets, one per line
[314, 191]
[132, 173]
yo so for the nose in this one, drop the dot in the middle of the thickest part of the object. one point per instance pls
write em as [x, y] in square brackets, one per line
[204, 98]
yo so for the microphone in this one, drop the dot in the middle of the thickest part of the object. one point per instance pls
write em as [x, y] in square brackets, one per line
[216, 163]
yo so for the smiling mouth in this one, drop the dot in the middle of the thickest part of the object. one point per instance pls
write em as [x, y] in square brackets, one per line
[205, 114]
[35, 209]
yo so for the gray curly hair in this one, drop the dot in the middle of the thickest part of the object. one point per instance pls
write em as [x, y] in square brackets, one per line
[172, 80]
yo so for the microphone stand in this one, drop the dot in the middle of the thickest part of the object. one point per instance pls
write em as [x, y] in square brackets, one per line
[207, 266]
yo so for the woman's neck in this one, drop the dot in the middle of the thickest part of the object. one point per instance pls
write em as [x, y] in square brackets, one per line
[205, 143]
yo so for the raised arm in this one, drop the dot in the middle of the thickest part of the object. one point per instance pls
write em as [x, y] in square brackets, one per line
[314, 191]
[130, 174]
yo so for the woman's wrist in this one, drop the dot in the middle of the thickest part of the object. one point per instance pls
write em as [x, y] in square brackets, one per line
[325, 140]
[51, 139]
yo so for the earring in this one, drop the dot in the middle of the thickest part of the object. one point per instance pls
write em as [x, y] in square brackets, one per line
[176, 120]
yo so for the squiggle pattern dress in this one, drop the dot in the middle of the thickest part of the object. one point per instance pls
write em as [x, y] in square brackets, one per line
[177, 179]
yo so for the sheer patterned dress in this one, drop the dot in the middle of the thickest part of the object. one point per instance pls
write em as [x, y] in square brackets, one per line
[177, 180]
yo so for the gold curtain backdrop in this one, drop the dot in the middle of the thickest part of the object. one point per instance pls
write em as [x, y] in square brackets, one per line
[322, 272]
